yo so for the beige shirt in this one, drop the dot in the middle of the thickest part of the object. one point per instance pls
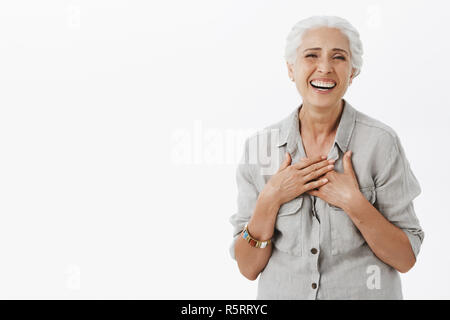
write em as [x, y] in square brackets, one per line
[318, 253]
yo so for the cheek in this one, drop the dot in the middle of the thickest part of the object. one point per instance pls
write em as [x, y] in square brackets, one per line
[344, 76]
[304, 74]
[305, 67]
[310, 68]
[344, 70]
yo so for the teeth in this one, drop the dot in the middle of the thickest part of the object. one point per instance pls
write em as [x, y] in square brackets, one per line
[323, 84]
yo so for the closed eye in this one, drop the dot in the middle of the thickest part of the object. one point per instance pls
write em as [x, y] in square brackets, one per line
[311, 55]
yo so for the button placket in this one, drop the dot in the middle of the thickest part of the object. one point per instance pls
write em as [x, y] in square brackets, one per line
[314, 248]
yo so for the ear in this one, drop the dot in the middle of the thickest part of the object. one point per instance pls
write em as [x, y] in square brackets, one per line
[352, 76]
[290, 70]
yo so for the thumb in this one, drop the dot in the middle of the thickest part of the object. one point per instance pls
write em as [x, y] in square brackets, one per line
[348, 167]
[286, 162]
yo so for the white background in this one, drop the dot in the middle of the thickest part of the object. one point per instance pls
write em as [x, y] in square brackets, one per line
[121, 124]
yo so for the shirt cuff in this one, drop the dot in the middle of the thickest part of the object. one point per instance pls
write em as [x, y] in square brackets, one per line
[415, 240]
[233, 243]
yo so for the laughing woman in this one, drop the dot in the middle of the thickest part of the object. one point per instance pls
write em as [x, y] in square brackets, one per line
[335, 219]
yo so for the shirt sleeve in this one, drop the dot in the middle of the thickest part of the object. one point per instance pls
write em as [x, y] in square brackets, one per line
[396, 188]
[246, 198]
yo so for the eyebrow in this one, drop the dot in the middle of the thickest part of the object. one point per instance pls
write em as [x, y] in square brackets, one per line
[334, 49]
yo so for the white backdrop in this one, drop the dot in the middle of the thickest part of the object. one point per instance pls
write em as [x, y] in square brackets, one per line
[121, 124]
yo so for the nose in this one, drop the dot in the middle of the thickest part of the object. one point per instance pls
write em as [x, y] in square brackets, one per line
[324, 66]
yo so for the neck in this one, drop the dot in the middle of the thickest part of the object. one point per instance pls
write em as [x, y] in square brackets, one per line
[319, 123]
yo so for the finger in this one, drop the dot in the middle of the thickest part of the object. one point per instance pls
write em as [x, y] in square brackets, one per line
[318, 173]
[347, 163]
[316, 166]
[306, 162]
[328, 175]
[313, 193]
[286, 162]
[315, 184]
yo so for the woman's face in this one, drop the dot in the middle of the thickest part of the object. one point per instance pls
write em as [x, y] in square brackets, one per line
[323, 69]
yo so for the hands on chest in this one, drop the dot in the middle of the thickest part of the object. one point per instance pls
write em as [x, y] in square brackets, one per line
[315, 176]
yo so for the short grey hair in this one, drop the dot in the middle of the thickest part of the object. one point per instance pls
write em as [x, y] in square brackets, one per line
[294, 38]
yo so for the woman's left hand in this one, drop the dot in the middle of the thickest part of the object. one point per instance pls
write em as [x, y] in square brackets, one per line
[341, 187]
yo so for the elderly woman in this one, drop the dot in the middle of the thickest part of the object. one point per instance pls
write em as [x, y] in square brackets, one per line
[335, 219]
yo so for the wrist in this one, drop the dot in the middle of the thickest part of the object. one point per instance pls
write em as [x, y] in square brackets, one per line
[262, 222]
[354, 203]
[269, 198]
[254, 242]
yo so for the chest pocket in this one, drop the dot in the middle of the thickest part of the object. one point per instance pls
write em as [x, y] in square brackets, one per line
[287, 233]
[345, 236]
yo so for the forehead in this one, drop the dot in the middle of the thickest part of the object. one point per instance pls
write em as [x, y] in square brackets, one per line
[325, 38]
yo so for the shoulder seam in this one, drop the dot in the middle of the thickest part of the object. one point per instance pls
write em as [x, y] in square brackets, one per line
[389, 131]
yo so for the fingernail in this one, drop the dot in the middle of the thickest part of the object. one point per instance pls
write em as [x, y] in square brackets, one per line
[323, 157]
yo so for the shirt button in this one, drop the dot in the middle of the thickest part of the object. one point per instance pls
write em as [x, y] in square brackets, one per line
[314, 285]
[313, 250]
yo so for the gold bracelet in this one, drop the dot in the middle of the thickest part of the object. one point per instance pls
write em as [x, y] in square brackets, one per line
[253, 242]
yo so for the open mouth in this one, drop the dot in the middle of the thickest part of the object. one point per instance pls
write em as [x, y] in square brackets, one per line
[323, 86]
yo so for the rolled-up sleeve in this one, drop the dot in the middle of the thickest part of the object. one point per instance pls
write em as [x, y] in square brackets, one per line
[246, 198]
[396, 188]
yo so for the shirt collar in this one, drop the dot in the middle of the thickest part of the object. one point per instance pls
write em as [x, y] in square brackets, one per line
[290, 130]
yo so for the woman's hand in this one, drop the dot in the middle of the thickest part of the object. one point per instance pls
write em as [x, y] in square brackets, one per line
[341, 188]
[290, 181]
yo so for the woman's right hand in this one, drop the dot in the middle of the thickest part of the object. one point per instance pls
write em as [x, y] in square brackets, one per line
[290, 181]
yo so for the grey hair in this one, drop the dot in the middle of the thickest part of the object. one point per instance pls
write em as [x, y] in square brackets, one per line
[294, 38]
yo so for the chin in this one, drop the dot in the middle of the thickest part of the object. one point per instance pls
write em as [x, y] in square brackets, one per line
[324, 101]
